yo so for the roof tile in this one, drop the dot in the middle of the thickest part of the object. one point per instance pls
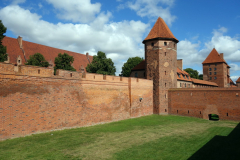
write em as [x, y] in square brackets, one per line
[213, 57]
[160, 30]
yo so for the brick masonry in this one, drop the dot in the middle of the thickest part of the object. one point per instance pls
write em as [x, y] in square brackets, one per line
[35, 104]
[224, 102]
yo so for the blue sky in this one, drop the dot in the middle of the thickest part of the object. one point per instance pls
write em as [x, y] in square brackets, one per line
[118, 27]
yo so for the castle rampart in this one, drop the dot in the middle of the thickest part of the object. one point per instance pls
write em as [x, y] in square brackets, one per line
[33, 102]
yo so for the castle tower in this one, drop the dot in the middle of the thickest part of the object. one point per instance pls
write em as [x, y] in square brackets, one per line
[161, 64]
[216, 69]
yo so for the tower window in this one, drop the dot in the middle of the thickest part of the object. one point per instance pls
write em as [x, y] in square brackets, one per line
[174, 45]
[215, 69]
[215, 73]
[70, 74]
[210, 78]
[209, 65]
[165, 84]
[210, 69]
[152, 44]
[215, 64]
[165, 43]
[165, 53]
[215, 77]
[39, 71]
[210, 73]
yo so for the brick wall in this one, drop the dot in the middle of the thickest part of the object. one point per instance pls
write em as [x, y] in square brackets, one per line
[30, 104]
[201, 102]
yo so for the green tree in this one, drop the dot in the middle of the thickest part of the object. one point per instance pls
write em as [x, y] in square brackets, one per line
[37, 60]
[200, 76]
[64, 61]
[3, 50]
[101, 65]
[193, 73]
[130, 64]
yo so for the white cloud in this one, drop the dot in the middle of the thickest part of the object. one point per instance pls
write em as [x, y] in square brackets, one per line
[40, 5]
[234, 78]
[15, 2]
[119, 40]
[77, 11]
[153, 9]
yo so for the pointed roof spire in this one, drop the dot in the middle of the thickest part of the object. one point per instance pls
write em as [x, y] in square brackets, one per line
[238, 80]
[160, 30]
[213, 57]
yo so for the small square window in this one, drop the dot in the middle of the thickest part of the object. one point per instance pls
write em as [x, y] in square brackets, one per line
[165, 43]
[180, 84]
[152, 44]
[210, 78]
[215, 69]
[136, 74]
[215, 73]
[210, 73]
[215, 77]
[179, 75]
[215, 64]
[210, 69]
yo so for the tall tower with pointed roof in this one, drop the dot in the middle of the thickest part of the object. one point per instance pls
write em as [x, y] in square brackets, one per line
[161, 63]
[216, 69]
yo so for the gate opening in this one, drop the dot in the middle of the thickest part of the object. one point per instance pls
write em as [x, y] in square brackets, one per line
[213, 117]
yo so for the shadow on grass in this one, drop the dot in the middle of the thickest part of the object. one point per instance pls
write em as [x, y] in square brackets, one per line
[221, 147]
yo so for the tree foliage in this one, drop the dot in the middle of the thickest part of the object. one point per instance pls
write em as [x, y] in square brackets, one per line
[130, 64]
[3, 50]
[101, 65]
[193, 73]
[37, 60]
[64, 61]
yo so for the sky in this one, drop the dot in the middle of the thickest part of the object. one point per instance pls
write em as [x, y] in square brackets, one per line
[118, 27]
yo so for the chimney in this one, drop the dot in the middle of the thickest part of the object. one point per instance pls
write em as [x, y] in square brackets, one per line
[20, 41]
[87, 57]
[179, 64]
[221, 55]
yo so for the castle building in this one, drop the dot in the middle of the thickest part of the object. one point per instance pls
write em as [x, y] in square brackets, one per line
[19, 52]
[160, 59]
[216, 69]
[238, 82]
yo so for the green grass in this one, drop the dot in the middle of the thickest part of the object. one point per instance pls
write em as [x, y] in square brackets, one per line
[150, 137]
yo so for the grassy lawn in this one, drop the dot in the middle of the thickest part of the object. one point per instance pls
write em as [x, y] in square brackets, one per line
[150, 137]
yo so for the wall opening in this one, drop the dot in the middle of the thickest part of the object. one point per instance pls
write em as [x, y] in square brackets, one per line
[188, 111]
[177, 111]
[165, 110]
[165, 72]
[165, 84]
[39, 71]
[165, 43]
[70, 74]
[227, 114]
[200, 112]
[213, 117]
[152, 44]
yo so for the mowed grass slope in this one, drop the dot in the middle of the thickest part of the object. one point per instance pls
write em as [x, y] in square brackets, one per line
[150, 137]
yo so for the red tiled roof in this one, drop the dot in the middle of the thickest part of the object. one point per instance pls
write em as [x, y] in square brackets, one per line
[160, 30]
[140, 66]
[182, 74]
[238, 80]
[213, 57]
[49, 53]
[198, 81]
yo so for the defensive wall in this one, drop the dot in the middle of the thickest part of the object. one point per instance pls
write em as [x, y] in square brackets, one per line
[200, 102]
[33, 100]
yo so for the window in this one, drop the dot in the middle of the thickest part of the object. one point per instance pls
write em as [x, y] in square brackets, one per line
[210, 78]
[39, 71]
[136, 74]
[209, 65]
[165, 53]
[215, 69]
[152, 44]
[70, 74]
[180, 84]
[165, 43]
[185, 85]
[210, 73]
[179, 75]
[165, 72]
[215, 64]
[215, 73]
[184, 76]
[210, 69]
[165, 84]
[215, 77]
[174, 45]
[187, 77]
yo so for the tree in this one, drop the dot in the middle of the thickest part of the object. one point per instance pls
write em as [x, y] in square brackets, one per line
[64, 61]
[101, 65]
[193, 73]
[37, 60]
[200, 76]
[130, 64]
[3, 50]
